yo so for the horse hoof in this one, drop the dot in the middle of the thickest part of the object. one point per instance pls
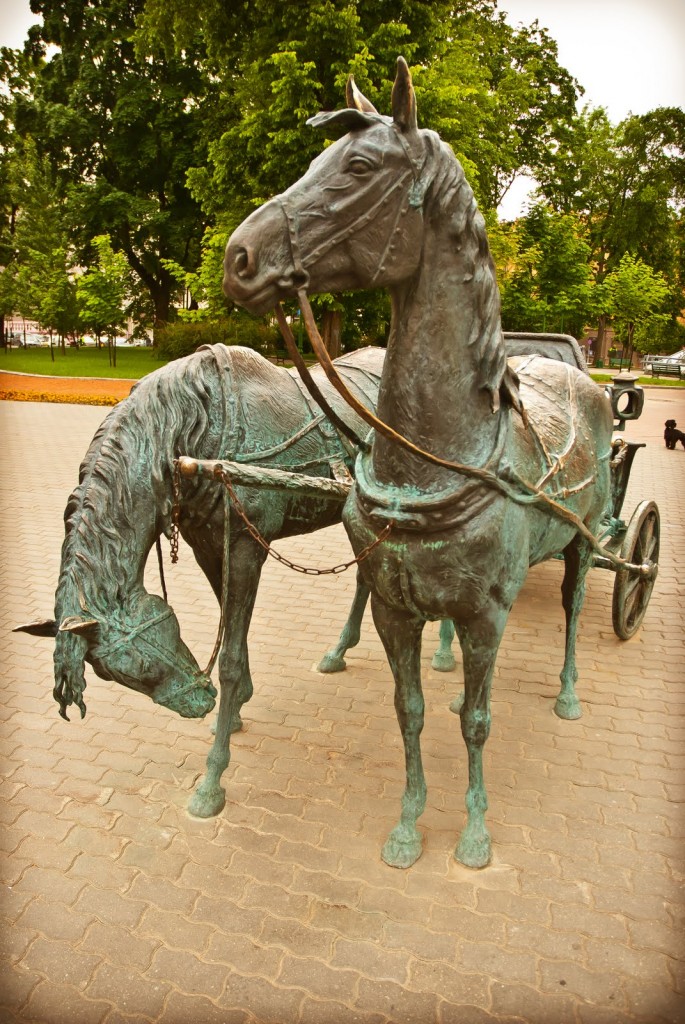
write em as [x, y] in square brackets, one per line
[474, 851]
[400, 850]
[206, 804]
[457, 704]
[332, 663]
[568, 707]
[443, 662]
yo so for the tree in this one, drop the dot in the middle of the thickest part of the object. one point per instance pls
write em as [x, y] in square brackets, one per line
[627, 182]
[547, 281]
[634, 294]
[101, 294]
[121, 131]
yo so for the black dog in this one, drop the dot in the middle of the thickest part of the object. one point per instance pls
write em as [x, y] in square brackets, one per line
[672, 436]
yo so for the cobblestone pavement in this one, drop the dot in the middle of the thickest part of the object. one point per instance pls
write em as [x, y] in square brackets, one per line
[118, 907]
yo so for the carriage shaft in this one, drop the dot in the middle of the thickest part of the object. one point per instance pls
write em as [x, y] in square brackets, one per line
[243, 475]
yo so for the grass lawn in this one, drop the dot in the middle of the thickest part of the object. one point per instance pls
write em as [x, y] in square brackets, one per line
[664, 382]
[132, 363]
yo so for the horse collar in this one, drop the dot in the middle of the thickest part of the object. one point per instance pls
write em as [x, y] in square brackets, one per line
[430, 510]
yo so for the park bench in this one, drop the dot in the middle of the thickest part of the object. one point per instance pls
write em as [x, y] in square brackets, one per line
[665, 369]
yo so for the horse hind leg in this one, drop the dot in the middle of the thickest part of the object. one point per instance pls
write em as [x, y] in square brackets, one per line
[401, 637]
[577, 561]
[334, 660]
[443, 659]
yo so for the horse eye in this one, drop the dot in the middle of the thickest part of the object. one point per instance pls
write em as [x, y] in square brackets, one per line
[359, 165]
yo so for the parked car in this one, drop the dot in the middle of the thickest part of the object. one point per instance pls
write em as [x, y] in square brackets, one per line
[675, 357]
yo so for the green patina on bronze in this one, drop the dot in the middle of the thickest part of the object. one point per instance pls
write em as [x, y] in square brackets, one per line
[404, 217]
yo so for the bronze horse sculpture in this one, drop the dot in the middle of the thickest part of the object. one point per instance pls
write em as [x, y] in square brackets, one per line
[388, 205]
[219, 403]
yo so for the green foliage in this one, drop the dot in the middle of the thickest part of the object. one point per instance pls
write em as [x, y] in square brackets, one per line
[182, 339]
[203, 287]
[545, 280]
[102, 290]
[628, 184]
[633, 295]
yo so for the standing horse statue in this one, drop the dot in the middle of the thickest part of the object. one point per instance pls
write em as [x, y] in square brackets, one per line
[228, 403]
[484, 468]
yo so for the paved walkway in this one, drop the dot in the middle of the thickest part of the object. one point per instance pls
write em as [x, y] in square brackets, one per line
[117, 908]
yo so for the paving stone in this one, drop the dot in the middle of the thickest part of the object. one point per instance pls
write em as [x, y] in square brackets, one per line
[109, 906]
[370, 960]
[119, 946]
[397, 1003]
[56, 921]
[129, 991]
[193, 975]
[317, 978]
[181, 1008]
[60, 962]
[52, 1003]
[316, 1011]
[267, 1002]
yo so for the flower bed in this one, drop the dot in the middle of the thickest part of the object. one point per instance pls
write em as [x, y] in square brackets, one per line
[11, 395]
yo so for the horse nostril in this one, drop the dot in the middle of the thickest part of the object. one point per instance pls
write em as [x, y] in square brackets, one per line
[243, 262]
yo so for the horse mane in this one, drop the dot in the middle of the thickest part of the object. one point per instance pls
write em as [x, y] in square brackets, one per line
[167, 413]
[450, 199]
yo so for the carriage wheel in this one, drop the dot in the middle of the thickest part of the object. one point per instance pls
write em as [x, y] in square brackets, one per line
[631, 592]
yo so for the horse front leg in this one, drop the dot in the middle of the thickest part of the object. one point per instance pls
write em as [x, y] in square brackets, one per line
[246, 561]
[401, 637]
[577, 561]
[479, 643]
[334, 660]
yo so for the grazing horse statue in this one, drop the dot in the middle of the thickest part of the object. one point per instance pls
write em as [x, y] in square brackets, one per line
[517, 462]
[228, 403]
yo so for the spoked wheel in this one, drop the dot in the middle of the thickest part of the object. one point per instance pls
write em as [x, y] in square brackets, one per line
[631, 591]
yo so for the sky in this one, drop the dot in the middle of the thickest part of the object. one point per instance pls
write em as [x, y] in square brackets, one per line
[629, 55]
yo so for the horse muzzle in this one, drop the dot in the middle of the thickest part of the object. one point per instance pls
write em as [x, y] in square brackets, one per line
[259, 268]
[193, 699]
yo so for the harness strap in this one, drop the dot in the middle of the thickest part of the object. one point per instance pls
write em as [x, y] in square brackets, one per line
[309, 381]
[126, 638]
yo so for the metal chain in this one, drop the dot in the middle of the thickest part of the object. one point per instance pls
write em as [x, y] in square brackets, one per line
[256, 535]
[175, 512]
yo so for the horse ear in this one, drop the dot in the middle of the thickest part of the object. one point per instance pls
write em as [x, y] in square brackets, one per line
[82, 627]
[41, 627]
[357, 99]
[404, 99]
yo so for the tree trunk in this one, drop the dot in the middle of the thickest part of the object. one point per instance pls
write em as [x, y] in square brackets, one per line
[161, 298]
[600, 344]
[331, 329]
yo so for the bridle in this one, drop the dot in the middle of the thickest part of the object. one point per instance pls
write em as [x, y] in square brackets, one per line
[125, 639]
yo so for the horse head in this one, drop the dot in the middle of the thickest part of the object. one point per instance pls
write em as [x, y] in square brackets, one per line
[354, 220]
[138, 646]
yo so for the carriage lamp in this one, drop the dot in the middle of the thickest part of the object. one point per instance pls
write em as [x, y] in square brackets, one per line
[627, 398]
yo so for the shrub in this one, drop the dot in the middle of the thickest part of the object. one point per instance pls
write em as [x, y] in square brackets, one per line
[182, 339]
